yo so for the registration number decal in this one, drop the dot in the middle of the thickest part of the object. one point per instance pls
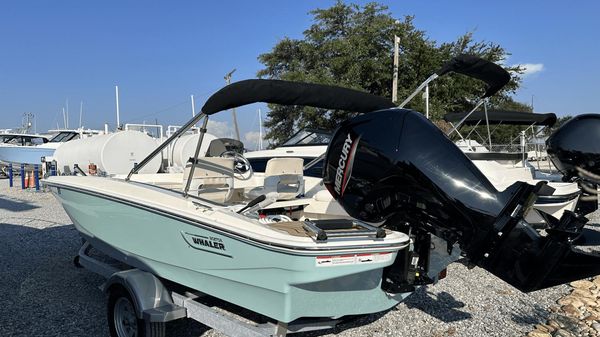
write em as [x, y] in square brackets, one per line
[352, 259]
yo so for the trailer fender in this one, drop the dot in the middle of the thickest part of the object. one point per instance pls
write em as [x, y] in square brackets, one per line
[153, 301]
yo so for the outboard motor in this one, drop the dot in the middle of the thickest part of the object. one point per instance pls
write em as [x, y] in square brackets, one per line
[575, 147]
[396, 166]
[575, 150]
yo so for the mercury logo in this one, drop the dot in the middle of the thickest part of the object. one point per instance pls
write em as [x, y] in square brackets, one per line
[344, 169]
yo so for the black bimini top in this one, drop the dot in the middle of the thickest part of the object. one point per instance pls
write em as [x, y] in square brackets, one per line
[504, 117]
[294, 93]
[492, 74]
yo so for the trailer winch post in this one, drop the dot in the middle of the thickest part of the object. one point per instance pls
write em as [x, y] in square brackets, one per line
[36, 176]
[22, 176]
[10, 175]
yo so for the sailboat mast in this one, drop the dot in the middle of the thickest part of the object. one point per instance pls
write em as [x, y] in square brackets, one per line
[260, 136]
[117, 103]
[80, 113]
[193, 106]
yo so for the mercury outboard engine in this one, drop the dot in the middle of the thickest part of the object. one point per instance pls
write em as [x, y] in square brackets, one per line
[575, 150]
[396, 166]
[575, 147]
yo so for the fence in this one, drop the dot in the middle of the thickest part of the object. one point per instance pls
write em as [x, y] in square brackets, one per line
[29, 174]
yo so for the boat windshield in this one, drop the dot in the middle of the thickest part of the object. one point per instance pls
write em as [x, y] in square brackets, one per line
[22, 140]
[7, 138]
[309, 137]
[64, 137]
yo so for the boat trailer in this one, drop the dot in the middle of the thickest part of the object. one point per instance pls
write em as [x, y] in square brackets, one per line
[155, 302]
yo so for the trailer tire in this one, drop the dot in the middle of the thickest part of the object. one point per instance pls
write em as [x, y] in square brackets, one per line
[122, 317]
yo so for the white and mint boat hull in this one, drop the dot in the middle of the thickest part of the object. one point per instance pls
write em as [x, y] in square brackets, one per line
[282, 281]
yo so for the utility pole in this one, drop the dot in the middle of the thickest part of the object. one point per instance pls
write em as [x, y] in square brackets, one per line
[396, 61]
[427, 101]
[235, 124]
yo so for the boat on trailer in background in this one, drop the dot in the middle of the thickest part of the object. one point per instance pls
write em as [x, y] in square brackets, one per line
[221, 230]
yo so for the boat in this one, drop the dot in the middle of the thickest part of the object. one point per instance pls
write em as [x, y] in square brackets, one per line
[502, 168]
[505, 167]
[19, 139]
[307, 144]
[33, 154]
[242, 236]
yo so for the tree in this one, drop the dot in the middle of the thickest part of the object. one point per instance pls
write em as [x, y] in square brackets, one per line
[560, 121]
[352, 46]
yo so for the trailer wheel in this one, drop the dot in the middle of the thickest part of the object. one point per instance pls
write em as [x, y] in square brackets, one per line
[122, 317]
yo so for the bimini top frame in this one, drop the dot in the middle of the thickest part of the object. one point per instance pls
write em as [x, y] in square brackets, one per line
[276, 92]
[473, 66]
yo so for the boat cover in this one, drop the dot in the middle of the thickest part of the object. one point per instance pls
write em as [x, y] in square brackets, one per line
[294, 93]
[504, 117]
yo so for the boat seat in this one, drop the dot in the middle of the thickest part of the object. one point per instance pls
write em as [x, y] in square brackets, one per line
[213, 178]
[284, 176]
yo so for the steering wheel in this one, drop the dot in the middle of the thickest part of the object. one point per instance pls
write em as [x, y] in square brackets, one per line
[241, 165]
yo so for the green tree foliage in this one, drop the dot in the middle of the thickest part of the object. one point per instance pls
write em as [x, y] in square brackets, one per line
[352, 46]
[559, 122]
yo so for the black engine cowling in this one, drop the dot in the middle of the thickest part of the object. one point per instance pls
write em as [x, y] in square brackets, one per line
[393, 162]
[396, 166]
[576, 144]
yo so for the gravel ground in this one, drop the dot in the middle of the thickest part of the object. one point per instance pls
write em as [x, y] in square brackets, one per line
[43, 294]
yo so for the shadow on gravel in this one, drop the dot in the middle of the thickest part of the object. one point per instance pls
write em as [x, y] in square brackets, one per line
[16, 205]
[442, 306]
[41, 292]
[532, 316]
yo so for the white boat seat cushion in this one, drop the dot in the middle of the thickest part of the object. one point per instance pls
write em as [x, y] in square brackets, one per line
[213, 178]
[284, 176]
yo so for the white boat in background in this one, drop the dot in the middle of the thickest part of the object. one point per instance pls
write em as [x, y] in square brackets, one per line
[19, 139]
[23, 139]
[32, 154]
[504, 168]
[307, 144]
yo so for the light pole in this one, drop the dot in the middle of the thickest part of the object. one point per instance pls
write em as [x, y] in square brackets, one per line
[396, 61]
[235, 124]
